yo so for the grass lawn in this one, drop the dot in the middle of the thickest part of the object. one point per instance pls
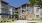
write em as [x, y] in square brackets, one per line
[37, 20]
[7, 21]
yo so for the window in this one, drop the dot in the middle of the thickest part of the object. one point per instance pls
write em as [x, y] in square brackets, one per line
[41, 18]
[37, 10]
[37, 16]
[3, 11]
[9, 12]
[41, 13]
[30, 11]
[4, 17]
[23, 11]
[20, 16]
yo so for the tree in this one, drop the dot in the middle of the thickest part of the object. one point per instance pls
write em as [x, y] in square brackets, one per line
[41, 4]
[33, 2]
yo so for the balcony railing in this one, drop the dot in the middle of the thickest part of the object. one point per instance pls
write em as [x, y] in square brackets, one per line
[5, 6]
[4, 13]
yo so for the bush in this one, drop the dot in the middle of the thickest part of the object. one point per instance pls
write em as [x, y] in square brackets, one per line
[12, 20]
[4, 21]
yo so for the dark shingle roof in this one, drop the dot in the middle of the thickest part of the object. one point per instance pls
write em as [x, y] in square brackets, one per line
[25, 5]
[4, 2]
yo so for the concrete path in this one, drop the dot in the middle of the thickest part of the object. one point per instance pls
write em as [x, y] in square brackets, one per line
[20, 21]
[24, 21]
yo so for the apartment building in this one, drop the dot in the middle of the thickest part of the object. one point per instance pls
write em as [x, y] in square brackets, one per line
[32, 12]
[6, 11]
[16, 10]
[23, 9]
[11, 11]
[37, 11]
[41, 13]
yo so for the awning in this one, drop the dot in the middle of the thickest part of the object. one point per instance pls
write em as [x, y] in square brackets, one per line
[13, 15]
[4, 14]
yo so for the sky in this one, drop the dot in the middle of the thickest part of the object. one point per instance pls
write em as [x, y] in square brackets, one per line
[16, 3]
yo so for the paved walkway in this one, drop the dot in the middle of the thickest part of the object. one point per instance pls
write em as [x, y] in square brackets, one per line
[20, 21]
[23, 21]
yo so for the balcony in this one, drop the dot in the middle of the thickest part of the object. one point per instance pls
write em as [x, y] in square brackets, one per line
[4, 6]
[23, 8]
[4, 13]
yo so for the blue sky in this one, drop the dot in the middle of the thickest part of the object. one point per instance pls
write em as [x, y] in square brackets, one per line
[16, 3]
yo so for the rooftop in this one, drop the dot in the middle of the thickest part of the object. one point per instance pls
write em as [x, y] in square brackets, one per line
[4, 2]
[25, 4]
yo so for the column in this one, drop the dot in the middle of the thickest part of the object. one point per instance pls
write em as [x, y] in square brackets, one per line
[35, 11]
[21, 11]
[0, 7]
